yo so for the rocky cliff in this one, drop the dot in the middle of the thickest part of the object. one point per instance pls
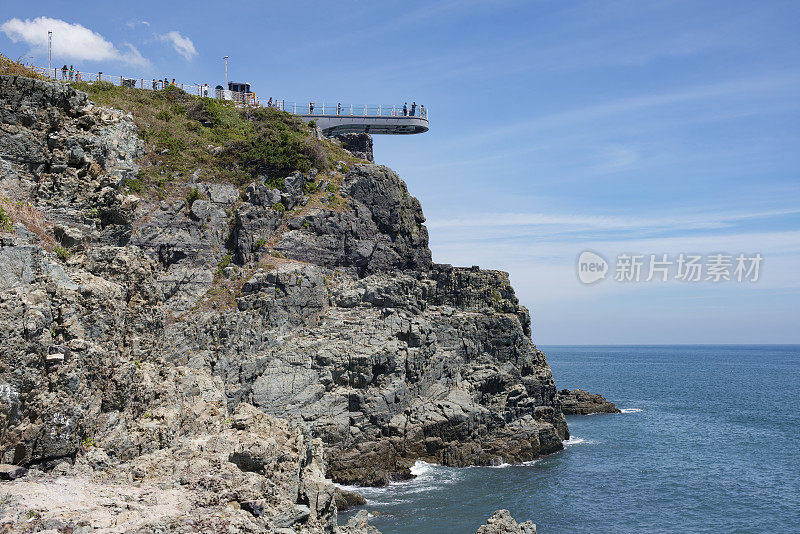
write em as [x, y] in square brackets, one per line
[224, 335]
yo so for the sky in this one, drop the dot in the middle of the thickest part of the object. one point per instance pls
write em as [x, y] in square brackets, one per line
[556, 127]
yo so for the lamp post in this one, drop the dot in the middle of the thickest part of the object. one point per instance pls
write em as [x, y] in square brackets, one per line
[226, 72]
[49, 51]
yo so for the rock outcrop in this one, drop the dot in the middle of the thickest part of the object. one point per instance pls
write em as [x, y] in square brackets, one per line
[358, 144]
[225, 338]
[501, 522]
[580, 402]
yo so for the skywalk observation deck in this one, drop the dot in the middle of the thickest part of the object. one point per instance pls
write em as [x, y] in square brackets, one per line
[333, 119]
[336, 119]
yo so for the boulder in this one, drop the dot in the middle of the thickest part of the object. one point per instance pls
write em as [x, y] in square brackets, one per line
[501, 522]
[11, 472]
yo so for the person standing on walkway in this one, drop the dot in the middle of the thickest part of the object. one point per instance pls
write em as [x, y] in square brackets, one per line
[413, 108]
[422, 111]
[405, 109]
[339, 108]
[64, 72]
[155, 84]
[311, 108]
[71, 73]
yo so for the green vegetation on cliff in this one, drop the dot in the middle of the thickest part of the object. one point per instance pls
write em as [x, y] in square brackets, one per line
[185, 133]
[16, 68]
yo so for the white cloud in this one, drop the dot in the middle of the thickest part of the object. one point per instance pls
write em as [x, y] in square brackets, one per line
[182, 44]
[134, 23]
[72, 42]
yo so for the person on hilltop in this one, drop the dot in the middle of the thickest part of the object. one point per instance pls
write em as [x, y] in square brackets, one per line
[155, 84]
[64, 72]
[173, 83]
[71, 73]
[405, 109]
[166, 83]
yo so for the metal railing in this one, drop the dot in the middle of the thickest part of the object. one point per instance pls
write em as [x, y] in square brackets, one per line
[243, 99]
[353, 110]
[60, 75]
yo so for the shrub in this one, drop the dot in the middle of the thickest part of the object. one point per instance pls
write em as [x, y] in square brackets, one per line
[193, 195]
[223, 264]
[279, 146]
[6, 224]
[163, 115]
[279, 207]
[102, 86]
[62, 253]
[135, 184]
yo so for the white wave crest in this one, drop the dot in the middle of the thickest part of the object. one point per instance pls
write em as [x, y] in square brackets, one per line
[421, 468]
[574, 440]
[630, 410]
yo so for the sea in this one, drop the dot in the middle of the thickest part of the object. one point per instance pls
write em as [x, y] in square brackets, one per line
[708, 441]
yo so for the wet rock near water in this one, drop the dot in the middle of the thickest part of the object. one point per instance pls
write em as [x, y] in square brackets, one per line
[580, 402]
[346, 499]
[501, 522]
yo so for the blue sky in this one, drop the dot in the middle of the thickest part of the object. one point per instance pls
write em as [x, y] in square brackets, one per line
[556, 127]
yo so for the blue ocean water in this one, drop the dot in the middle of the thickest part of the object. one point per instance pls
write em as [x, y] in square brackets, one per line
[709, 442]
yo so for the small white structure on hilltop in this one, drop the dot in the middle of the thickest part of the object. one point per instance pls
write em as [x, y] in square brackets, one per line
[236, 92]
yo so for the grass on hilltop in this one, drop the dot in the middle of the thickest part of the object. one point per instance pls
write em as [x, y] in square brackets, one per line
[185, 133]
[16, 68]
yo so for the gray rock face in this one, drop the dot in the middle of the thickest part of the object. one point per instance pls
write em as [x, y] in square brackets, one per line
[380, 229]
[580, 402]
[69, 158]
[501, 522]
[175, 335]
[358, 144]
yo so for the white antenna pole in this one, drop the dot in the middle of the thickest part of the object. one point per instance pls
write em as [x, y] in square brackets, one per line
[49, 51]
[226, 72]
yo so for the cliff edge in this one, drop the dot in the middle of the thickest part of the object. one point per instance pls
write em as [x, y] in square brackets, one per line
[223, 333]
